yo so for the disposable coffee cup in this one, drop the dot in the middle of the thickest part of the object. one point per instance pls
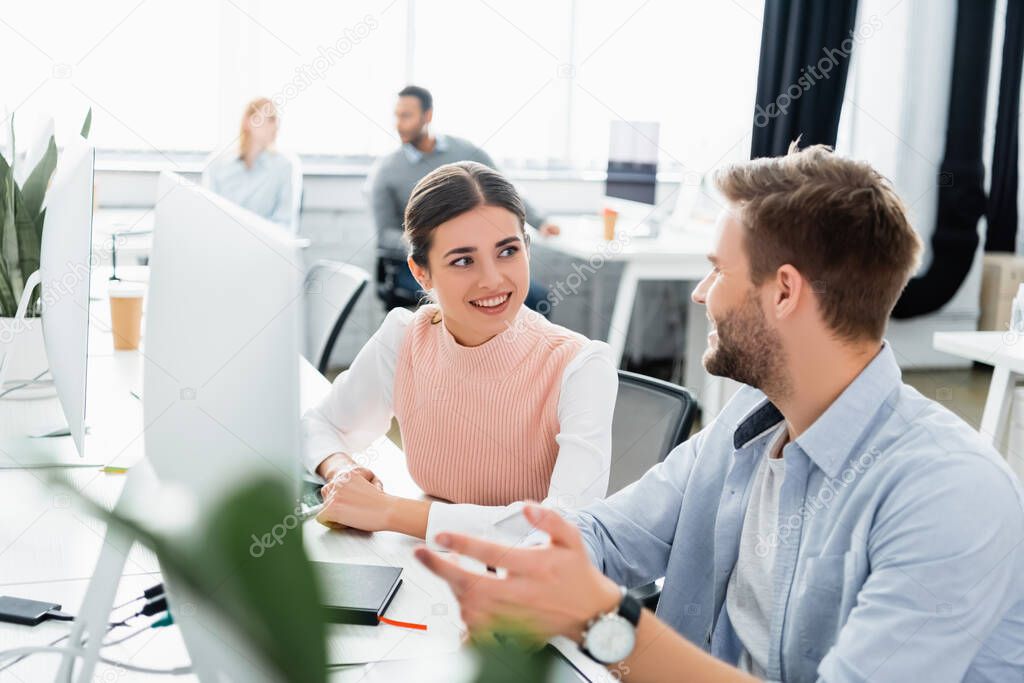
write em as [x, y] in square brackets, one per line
[126, 314]
[610, 218]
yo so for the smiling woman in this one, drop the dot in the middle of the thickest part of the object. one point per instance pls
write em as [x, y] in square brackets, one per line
[496, 405]
[471, 219]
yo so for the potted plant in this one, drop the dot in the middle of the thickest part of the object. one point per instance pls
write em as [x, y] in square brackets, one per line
[263, 611]
[22, 216]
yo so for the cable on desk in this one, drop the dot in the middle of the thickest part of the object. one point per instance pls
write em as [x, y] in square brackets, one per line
[156, 604]
[57, 615]
[24, 384]
[151, 592]
[176, 671]
[110, 627]
[141, 629]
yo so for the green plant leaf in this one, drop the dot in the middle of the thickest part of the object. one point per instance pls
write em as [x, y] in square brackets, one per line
[8, 302]
[38, 180]
[8, 296]
[87, 124]
[273, 599]
[29, 240]
[510, 658]
[275, 596]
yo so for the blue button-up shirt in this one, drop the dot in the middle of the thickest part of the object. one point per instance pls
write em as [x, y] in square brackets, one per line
[413, 153]
[900, 544]
[265, 189]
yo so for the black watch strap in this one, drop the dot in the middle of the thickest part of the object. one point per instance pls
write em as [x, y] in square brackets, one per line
[630, 608]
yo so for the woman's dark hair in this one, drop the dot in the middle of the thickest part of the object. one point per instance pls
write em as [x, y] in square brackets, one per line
[452, 190]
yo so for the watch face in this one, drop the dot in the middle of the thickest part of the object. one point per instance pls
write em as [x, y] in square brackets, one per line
[611, 639]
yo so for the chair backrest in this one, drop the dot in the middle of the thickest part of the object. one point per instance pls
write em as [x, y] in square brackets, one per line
[389, 291]
[332, 289]
[651, 418]
[296, 209]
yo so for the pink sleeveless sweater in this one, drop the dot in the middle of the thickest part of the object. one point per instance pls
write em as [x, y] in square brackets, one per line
[478, 424]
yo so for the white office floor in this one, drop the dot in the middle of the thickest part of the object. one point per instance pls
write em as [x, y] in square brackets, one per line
[962, 391]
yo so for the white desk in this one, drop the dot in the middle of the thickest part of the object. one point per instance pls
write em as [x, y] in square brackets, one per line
[1004, 351]
[674, 256]
[48, 547]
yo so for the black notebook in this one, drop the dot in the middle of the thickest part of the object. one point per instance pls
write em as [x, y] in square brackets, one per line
[357, 593]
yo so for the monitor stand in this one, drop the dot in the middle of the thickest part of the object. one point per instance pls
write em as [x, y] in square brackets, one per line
[26, 452]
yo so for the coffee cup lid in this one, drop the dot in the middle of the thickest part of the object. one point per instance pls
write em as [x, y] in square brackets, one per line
[126, 289]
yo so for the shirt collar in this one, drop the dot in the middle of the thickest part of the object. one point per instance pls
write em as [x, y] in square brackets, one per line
[833, 435]
[414, 155]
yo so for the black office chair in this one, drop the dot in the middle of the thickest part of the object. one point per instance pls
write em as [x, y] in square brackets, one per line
[651, 418]
[332, 289]
[389, 292]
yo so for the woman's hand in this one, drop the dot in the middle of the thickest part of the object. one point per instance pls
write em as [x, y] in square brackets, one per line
[355, 499]
[550, 590]
[337, 464]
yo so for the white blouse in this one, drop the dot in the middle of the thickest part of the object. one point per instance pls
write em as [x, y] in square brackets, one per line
[358, 410]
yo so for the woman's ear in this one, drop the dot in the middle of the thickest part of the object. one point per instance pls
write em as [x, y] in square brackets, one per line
[421, 274]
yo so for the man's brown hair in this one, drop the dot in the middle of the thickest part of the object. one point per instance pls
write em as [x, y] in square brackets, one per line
[838, 222]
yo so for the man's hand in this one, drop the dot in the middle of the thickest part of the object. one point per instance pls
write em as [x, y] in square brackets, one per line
[355, 498]
[549, 230]
[551, 590]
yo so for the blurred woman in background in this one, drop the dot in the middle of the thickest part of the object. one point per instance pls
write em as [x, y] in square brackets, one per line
[258, 177]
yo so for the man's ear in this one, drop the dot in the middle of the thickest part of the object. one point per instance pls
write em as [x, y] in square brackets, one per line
[421, 274]
[428, 116]
[790, 288]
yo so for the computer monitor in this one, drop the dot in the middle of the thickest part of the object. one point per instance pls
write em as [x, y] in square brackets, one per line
[632, 173]
[223, 336]
[64, 274]
[64, 266]
[221, 369]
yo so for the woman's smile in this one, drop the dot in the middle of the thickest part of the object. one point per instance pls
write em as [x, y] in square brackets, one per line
[494, 304]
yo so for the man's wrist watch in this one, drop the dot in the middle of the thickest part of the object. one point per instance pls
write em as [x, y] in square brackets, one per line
[609, 638]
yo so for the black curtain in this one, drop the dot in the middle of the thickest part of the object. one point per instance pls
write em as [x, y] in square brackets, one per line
[805, 58]
[1002, 198]
[961, 176]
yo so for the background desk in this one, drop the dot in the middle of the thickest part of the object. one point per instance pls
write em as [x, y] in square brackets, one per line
[1004, 351]
[676, 255]
[49, 547]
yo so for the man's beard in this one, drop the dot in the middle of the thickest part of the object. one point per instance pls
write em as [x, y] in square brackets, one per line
[748, 350]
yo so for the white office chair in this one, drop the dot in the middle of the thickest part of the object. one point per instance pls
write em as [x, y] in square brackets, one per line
[332, 289]
[296, 210]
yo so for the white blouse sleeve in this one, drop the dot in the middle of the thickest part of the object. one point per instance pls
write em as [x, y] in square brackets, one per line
[585, 408]
[358, 408]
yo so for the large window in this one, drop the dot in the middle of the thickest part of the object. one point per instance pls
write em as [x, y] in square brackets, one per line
[148, 69]
[536, 82]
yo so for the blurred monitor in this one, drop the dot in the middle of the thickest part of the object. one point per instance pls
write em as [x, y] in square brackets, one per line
[64, 271]
[632, 173]
[221, 373]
